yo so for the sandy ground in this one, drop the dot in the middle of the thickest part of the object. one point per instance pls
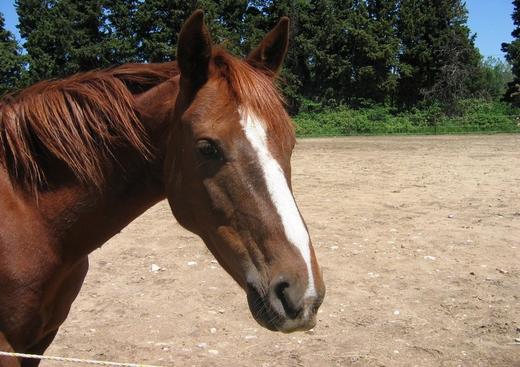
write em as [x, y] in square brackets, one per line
[418, 238]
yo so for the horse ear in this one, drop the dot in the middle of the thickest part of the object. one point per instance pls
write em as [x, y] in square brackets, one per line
[271, 52]
[194, 50]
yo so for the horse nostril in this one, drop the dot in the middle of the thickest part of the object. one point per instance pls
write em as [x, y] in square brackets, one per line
[282, 291]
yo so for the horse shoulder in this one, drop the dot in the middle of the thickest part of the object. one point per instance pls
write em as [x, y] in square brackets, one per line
[32, 272]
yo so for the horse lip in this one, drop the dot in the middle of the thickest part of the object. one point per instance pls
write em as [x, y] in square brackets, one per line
[261, 310]
[291, 326]
[267, 316]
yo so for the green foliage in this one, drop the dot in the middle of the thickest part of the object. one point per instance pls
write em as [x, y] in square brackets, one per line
[63, 36]
[157, 23]
[357, 53]
[11, 61]
[477, 115]
[67, 36]
[495, 75]
[512, 51]
[342, 51]
[438, 57]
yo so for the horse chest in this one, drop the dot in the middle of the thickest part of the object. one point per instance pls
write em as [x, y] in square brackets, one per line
[31, 311]
[61, 292]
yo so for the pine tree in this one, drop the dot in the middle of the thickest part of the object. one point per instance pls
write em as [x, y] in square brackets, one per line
[157, 24]
[11, 61]
[63, 36]
[230, 22]
[374, 46]
[259, 18]
[438, 54]
[512, 51]
[119, 27]
[394, 52]
[342, 51]
[326, 40]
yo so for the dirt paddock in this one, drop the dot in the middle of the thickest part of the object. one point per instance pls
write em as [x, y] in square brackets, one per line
[418, 238]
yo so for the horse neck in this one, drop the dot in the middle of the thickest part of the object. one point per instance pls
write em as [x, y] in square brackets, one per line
[156, 109]
[83, 218]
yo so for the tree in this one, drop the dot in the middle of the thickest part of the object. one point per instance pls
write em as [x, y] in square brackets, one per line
[63, 36]
[374, 46]
[495, 75]
[512, 51]
[330, 57]
[457, 75]
[393, 52]
[157, 24]
[230, 23]
[260, 17]
[11, 61]
[119, 26]
[437, 52]
[342, 51]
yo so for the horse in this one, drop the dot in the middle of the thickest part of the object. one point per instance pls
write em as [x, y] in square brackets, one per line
[80, 158]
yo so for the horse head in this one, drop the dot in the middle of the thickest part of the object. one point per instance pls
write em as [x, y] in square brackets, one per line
[228, 174]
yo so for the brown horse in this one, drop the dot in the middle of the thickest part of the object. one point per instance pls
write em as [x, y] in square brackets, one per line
[82, 157]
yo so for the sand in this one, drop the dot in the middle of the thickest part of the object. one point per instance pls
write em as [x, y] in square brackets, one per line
[418, 239]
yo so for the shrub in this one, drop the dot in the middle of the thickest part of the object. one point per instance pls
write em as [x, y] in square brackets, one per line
[475, 116]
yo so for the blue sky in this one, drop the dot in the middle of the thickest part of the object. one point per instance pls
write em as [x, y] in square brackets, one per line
[489, 19]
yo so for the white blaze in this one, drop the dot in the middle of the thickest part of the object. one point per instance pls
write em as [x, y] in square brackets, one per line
[279, 191]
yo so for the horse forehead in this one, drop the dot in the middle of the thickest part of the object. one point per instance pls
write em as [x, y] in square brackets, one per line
[212, 102]
[260, 136]
[217, 110]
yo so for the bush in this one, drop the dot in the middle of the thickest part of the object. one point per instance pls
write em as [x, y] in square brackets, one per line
[476, 116]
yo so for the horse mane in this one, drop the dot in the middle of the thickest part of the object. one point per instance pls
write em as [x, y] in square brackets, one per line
[79, 121]
[256, 90]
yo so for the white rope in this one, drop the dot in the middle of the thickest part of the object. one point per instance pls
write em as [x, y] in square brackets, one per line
[74, 360]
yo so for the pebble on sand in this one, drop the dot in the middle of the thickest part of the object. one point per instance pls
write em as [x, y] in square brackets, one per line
[154, 268]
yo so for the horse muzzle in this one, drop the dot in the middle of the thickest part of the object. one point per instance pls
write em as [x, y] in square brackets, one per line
[284, 306]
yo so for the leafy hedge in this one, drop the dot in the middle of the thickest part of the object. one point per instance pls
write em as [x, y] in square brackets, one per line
[473, 116]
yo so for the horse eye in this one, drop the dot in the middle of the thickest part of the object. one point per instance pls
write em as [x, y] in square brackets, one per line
[208, 149]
